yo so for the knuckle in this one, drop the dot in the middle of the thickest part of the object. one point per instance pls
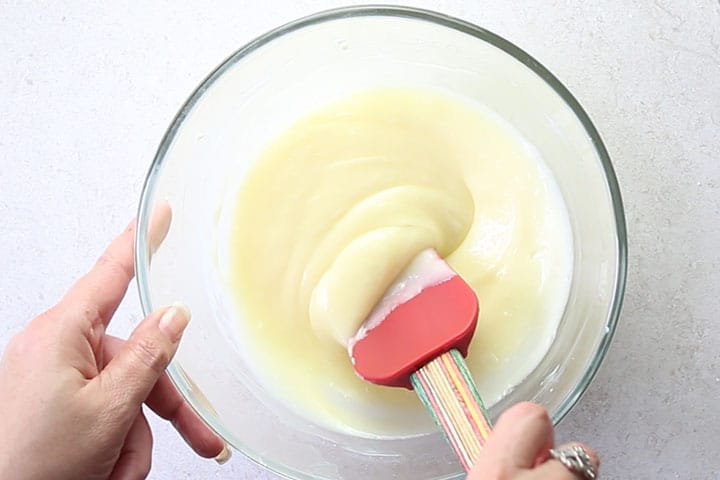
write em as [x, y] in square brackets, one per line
[18, 345]
[27, 342]
[89, 316]
[151, 353]
[110, 262]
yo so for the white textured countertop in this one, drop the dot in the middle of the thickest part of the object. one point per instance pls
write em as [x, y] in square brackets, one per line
[86, 93]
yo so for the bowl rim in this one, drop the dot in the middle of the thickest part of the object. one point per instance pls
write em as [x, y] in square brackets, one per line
[143, 214]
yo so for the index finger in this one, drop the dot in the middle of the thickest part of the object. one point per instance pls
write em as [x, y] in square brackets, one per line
[97, 294]
[167, 402]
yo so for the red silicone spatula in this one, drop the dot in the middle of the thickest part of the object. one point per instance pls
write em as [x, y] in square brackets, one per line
[416, 337]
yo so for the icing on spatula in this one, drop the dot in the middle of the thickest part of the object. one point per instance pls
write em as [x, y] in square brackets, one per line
[416, 337]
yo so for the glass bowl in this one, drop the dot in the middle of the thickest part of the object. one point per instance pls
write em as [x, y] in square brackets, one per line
[289, 71]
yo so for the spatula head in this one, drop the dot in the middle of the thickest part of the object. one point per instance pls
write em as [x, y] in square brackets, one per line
[440, 317]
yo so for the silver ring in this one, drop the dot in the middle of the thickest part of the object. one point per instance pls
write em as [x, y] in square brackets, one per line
[575, 459]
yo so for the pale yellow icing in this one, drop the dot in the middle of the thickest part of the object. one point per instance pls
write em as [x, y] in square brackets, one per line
[339, 203]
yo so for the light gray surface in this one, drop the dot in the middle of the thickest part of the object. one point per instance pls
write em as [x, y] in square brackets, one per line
[87, 91]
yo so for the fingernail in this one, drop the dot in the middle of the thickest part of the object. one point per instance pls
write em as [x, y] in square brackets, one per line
[174, 321]
[223, 456]
[159, 225]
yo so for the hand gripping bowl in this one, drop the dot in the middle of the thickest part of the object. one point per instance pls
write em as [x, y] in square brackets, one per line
[273, 80]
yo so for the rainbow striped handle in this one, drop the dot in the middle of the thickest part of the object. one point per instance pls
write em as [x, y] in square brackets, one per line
[447, 390]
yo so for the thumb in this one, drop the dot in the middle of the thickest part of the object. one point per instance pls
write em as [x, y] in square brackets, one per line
[520, 440]
[131, 375]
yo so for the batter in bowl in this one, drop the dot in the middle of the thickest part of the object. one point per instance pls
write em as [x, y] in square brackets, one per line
[340, 202]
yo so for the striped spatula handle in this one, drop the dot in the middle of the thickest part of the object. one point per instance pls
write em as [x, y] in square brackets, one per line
[447, 390]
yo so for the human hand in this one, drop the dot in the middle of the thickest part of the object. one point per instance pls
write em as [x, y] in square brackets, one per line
[518, 449]
[71, 396]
